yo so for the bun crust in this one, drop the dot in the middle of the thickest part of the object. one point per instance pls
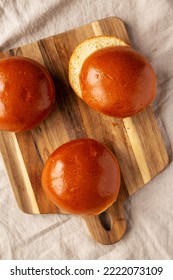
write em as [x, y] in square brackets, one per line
[115, 80]
[27, 94]
[82, 177]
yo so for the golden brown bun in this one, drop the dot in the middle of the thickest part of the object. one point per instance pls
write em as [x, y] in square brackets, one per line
[115, 80]
[82, 177]
[27, 93]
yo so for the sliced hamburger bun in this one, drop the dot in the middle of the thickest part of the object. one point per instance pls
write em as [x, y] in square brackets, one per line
[82, 177]
[82, 51]
[111, 77]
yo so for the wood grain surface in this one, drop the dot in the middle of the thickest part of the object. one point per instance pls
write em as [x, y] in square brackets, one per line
[136, 141]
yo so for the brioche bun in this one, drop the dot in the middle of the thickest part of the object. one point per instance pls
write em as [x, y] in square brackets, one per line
[112, 78]
[82, 177]
[27, 93]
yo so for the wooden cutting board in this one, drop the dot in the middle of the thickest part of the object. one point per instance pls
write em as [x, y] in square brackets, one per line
[136, 141]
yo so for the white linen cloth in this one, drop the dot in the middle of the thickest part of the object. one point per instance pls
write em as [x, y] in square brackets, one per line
[150, 210]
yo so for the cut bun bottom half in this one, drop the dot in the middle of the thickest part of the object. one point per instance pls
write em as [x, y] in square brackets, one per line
[111, 77]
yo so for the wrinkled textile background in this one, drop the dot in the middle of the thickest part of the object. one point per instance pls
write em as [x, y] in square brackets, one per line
[150, 210]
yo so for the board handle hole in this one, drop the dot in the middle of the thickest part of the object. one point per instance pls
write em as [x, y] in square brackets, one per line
[105, 220]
